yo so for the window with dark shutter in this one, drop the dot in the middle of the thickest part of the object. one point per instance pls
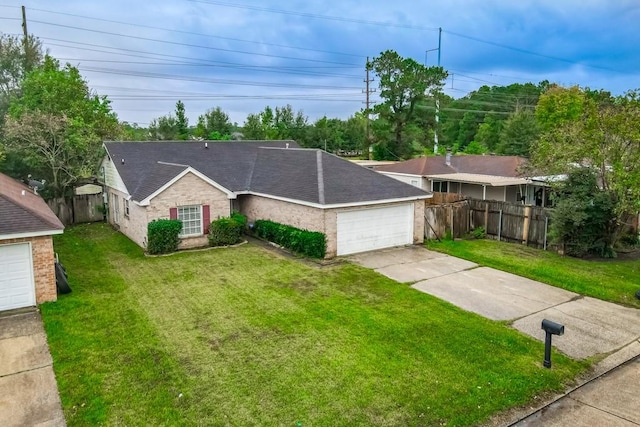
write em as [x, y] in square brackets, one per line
[206, 219]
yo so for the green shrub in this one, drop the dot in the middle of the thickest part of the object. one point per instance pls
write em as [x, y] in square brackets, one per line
[479, 233]
[240, 219]
[309, 243]
[227, 231]
[162, 236]
[583, 220]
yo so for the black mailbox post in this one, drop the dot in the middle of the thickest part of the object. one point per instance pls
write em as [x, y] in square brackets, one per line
[550, 328]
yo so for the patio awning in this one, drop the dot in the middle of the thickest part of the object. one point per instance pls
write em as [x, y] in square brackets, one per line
[490, 180]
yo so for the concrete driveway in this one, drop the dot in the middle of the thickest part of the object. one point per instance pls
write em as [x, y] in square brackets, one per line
[591, 326]
[28, 389]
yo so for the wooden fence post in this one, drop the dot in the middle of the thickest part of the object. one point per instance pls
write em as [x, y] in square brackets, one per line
[525, 226]
[486, 217]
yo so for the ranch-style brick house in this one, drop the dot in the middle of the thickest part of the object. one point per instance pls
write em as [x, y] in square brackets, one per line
[357, 209]
[27, 226]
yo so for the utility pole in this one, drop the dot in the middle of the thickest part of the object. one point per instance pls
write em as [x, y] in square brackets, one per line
[368, 91]
[24, 24]
[25, 41]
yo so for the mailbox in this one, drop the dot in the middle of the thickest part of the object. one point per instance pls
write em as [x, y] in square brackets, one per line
[552, 328]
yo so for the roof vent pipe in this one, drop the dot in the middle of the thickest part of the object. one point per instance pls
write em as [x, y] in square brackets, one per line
[286, 145]
[447, 158]
[206, 145]
[122, 161]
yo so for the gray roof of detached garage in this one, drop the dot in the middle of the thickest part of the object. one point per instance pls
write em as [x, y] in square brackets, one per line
[259, 167]
[24, 212]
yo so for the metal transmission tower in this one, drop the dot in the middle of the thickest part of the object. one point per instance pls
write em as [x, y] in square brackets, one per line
[367, 102]
[435, 130]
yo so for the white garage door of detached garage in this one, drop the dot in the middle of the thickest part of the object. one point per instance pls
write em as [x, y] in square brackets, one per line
[16, 277]
[374, 228]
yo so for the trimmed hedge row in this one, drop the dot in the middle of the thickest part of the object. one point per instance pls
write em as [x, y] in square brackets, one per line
[309, 243]
[227, 231]
[162, 236]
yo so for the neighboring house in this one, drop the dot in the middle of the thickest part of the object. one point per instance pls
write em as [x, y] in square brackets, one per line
[27, 269]
[356, 208]
[476, 176]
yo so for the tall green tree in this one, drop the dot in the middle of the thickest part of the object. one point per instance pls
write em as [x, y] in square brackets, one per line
[133, 132]
[17, 58]
[57, 125]
[164, 128]
[182, 123]
[480, 115]
[253, 128]
[279, 123]
[214, 124]
[488, 134]
[403, 84]
[519, 133]
[597, 131]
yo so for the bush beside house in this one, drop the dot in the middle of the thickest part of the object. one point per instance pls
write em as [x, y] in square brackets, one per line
[227, 231]
[309, 243]
[162, 235]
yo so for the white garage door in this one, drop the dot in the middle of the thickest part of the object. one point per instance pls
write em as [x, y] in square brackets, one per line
[16, 277]
[376, 228]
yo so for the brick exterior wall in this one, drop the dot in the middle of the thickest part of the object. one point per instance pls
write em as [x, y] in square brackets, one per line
[300, 216]
[188, 190]
[314, 219]
[44, 274]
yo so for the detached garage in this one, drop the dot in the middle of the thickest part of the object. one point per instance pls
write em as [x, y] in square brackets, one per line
[26, 247]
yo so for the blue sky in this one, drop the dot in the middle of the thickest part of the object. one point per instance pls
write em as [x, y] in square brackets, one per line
[245, 55]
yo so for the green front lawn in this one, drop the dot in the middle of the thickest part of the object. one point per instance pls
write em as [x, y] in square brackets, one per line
[243, 336]
[610, 280]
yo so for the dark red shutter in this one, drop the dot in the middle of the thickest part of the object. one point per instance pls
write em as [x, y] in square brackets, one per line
[206, 218]
[173, 213]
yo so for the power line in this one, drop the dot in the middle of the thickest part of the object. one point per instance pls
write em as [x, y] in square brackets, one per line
[314, 15]
[528, 52]
[208, 61]
[210, 80]
[194, 64]
[202, 94]
[188, 44]
[139, 25]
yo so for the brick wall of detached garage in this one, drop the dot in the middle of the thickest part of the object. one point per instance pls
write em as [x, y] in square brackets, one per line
[43, 259]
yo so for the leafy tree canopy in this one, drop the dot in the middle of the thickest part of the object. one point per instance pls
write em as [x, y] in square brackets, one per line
[403, 84]
[597, 131]
[56, 126]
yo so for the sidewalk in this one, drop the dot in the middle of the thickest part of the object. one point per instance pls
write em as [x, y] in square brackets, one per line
[610, 400]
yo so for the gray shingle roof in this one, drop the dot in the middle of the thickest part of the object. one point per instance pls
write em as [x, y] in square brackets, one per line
[22, 211]
[265, 167]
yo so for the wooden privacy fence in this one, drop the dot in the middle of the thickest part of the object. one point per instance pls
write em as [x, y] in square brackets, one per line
[446, 219]
[501, 220]
[511, 222]
[78, 209]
